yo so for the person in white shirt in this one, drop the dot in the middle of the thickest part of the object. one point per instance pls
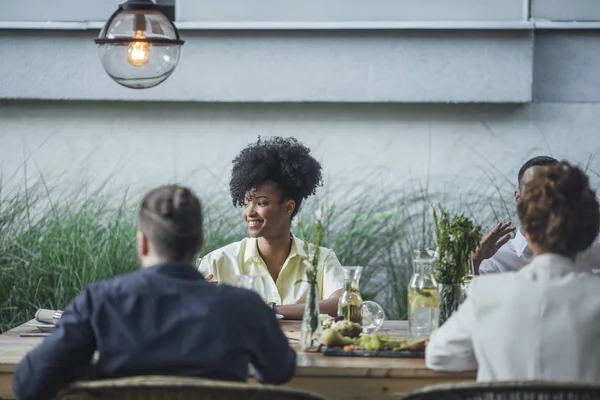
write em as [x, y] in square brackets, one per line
[541, 322]
[499, 253]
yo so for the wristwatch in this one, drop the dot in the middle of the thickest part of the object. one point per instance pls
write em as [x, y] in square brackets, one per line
[273, 305]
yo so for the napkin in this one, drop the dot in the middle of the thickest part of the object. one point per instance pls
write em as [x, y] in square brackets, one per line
[46, 316]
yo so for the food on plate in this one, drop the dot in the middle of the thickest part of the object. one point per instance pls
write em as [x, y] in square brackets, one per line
[347, 328]
[414, 344]
[326, 321]
[373, 342]
[332, 338]
[370, 342]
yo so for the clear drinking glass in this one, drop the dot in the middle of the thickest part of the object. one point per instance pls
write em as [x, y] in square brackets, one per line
[254, 283]
[244, 281]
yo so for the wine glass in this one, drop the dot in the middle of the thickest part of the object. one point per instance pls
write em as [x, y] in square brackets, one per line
[372, 316]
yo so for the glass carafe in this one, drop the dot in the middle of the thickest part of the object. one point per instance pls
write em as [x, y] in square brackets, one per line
[423, 295]
[350, 304]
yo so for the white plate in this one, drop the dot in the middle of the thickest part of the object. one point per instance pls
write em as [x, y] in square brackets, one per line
[42, 326]
[278, 316]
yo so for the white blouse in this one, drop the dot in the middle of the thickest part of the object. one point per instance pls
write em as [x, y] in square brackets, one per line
[540, 323]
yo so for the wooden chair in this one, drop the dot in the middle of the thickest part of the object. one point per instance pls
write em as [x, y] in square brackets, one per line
[533, 390]
[178, 388]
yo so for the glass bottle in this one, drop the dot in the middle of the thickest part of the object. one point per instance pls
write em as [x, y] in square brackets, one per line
[423, 295]
[351, 302]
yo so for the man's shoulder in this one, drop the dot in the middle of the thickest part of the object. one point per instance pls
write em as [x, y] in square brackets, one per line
[99, 291]
[240, 301]
[231, 292]
[127, 280]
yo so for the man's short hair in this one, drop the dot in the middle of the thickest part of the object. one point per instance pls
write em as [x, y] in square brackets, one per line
[539, 161]
[171, 217]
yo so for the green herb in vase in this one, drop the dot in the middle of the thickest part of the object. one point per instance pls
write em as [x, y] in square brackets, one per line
[457, 237]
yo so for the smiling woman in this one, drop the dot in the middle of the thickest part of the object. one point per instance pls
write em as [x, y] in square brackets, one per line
[270, 180]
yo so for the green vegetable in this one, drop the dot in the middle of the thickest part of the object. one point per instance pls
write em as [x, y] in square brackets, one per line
[347, 328]
[347, 340]
[375, 342]
[332, 338]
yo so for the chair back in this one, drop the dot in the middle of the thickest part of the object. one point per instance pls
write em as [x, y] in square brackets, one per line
[178, 388]
[531, 390]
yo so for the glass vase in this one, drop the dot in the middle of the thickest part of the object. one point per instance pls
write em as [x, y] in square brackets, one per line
[450, 298]
[310, 331]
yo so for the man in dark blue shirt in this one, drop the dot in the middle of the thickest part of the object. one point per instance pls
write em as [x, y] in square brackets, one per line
[164, 319]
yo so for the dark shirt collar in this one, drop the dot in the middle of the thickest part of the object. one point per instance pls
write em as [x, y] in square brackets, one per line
[175, 270]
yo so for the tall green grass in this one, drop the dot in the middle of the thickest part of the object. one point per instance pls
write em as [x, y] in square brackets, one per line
[50, 250]
[52, 244]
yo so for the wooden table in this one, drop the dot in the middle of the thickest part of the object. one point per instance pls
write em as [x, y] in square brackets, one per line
[335, 378]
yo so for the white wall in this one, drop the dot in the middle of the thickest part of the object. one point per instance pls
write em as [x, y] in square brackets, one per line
[142, 145]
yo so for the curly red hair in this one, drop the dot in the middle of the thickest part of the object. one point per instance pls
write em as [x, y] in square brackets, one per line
[559, 211]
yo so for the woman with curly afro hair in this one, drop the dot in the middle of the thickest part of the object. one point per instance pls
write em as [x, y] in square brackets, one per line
[540, 322]
[270, 180]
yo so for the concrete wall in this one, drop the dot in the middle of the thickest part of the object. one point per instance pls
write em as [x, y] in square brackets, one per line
[453, 147]
[273, 10]
[57, 10]
[350, 10]
[566, 66]
[571, 10]
[285, 66]
[147, 143]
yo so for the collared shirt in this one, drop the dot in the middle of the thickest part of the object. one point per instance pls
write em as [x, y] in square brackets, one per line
[160, 320]
[539, 323]
[515, 254]
[242, 258]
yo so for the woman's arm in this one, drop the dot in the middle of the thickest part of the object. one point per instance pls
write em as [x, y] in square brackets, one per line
[296, 311]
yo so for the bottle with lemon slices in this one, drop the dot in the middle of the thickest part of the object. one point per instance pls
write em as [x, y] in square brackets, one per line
[423, 295]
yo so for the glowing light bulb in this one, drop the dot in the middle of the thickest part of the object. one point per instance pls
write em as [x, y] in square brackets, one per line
[138, 53]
